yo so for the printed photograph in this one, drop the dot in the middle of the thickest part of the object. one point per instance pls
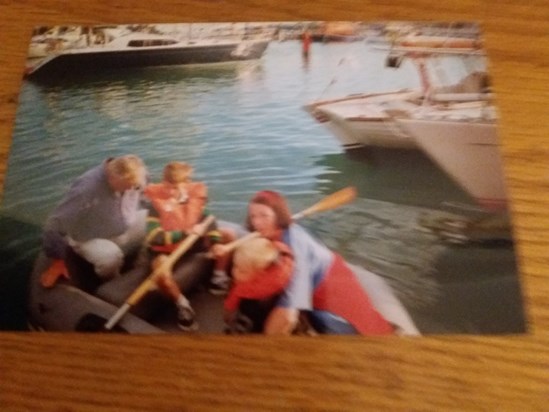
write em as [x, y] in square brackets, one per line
[279, 178]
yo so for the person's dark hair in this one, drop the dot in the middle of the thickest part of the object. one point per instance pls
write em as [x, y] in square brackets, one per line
[277, 203]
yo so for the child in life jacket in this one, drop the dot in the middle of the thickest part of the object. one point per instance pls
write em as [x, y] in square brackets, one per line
[261, 271]
[178, 203]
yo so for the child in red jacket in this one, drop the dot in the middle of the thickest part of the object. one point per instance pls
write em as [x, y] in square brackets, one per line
[179, 203]
[261, 270]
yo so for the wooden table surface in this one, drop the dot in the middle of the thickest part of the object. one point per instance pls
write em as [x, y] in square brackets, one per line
[71, 372]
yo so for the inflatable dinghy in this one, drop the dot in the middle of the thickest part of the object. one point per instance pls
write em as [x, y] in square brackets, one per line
[84, 304]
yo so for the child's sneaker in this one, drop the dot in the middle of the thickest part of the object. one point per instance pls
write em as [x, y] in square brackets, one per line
[186, 318]
[219, 289]
[219, 284]
[241, 325]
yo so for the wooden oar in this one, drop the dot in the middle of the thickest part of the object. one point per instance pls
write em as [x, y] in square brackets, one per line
[165, 266]
[333, 201]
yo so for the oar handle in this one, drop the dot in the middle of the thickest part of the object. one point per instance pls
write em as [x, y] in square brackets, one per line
[117, 316]
[229, 247]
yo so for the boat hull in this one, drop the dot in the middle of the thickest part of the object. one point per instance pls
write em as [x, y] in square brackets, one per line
[368, 132]
[468, 152]
[366, 120]
[92, 60]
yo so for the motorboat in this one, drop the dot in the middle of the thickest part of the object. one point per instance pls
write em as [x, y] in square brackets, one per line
[368, 119]
[143, 49]
[85, 305]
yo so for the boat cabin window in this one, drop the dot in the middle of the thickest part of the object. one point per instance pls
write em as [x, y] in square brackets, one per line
[149, 43]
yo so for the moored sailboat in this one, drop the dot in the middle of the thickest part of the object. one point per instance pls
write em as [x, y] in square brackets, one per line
[368, 119]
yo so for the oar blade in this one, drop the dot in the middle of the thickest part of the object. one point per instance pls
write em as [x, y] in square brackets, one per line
[333, 201]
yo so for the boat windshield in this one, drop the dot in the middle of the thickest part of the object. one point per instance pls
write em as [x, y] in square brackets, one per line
[450, 71]
[151, 42]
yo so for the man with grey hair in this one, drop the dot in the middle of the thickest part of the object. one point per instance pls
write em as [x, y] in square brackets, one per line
[99, 219]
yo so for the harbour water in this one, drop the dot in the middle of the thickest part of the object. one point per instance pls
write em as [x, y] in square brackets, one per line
[242, 127]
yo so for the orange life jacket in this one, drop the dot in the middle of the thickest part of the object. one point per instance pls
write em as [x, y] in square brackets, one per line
[176, 214]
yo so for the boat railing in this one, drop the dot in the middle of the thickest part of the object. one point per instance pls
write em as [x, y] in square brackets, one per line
[461, 97]
[410, 51]
[411, 94]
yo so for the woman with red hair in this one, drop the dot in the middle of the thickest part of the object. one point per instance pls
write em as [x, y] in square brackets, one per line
[321, 284]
